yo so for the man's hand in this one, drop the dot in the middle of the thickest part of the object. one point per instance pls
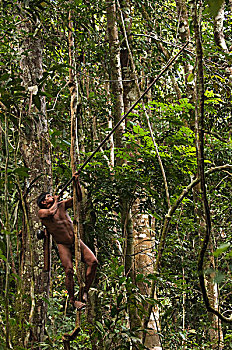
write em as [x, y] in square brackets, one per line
[76, 177]
[56, 198]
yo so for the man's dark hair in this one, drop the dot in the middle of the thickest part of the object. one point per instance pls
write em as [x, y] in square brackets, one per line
[40, 199]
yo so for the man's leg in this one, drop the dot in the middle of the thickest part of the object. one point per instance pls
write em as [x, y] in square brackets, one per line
[66, 260]
[90, 260]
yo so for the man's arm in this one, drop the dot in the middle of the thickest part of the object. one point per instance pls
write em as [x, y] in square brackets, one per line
[46, 213]
[69, 202]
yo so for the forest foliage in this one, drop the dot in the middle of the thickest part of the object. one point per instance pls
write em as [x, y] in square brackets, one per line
[155, 34]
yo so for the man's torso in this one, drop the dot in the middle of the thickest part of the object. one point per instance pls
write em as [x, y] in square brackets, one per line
[60, 226]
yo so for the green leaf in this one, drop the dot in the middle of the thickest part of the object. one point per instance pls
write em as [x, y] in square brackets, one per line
[219, 277]
[120, 270]
[139, 277]
[22, 171]
[107, 322]
[4, 76]
[3, 257]
[156, 216]
[122, 279]
[190, 77]
[221, 249]
[100, 326]
[214, 6]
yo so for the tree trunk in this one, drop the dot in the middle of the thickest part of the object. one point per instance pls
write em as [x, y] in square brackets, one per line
[219, 37]
[116, 72]
[144, 263]
[203, 212]
[184, 33]
[119, 98]
[138, 237]
[35, 148]
[215, 331]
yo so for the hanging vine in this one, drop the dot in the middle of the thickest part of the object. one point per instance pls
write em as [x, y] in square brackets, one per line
[199, 127]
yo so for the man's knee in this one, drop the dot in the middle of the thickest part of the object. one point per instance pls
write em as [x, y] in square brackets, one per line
[93, 263]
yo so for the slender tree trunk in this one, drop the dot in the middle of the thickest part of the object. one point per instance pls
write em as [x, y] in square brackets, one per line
[215, 331]
[184, 33]
[7, 228]
[203, 212]
[116, 72]
[219, 37]
[141, 232]
[119, 109]
[74, 154]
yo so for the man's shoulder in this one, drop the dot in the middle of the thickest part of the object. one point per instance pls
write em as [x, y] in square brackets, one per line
[43, 213]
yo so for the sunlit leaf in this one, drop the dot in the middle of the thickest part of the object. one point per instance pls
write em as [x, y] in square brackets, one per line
[223, 248]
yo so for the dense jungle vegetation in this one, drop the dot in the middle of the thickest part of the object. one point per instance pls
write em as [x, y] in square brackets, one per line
[156, 206]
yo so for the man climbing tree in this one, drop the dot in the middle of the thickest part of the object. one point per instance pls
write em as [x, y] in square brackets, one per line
[54, 217]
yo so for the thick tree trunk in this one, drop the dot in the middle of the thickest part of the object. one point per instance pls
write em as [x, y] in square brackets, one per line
[35, 148]
[144, 262]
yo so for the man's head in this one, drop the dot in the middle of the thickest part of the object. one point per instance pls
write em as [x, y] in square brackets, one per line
[45, 200]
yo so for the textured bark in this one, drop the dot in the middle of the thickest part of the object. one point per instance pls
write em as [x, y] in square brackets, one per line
[119, 96]
[219, 37]
[215, 331]
[74, 153]
[130, 93]
[116, 72]
[139, 257]
[184, 33]
[144, 249]
[134, 320]
[218, 29]
[35, 149]
[7, 228]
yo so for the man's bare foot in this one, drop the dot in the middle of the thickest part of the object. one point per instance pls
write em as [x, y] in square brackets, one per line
[78, 304]
[85, 297]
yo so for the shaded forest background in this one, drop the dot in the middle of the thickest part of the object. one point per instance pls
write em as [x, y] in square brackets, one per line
[157, 196]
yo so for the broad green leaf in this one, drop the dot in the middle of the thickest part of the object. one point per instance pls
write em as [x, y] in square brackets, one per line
[214, 6]
[223, 248]
[3, 257]
[99, 326]
[219, 277]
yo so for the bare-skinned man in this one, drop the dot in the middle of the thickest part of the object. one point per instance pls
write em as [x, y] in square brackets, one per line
[53, 214]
